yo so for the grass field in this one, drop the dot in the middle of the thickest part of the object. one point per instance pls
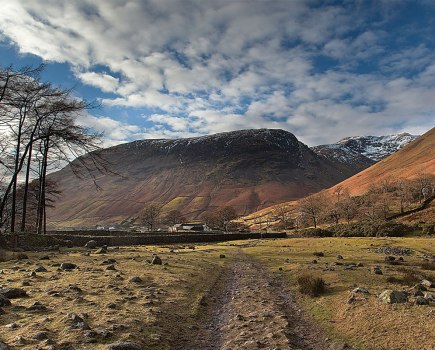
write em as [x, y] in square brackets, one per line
[160, 311]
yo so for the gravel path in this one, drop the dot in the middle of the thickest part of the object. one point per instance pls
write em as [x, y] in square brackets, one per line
[249, 309]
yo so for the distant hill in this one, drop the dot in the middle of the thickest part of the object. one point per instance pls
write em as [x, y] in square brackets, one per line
[248, 169]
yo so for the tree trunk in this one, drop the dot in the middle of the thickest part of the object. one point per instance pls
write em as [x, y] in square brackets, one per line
[26, 189]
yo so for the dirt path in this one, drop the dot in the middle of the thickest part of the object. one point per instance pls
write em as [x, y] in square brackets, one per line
[249, 309]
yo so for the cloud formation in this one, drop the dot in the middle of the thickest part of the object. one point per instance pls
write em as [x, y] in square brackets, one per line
[197, 67]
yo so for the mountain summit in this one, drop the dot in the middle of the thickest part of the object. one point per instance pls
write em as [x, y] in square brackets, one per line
[247, 169]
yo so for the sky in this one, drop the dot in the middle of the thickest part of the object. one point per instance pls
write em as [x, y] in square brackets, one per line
[322, 70]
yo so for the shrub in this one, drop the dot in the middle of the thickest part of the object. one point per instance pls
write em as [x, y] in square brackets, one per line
[311, 285]
[316, 232]
[372, 229]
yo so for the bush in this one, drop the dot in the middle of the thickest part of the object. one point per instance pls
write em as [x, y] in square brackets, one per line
[310, 285]
[372, 229]
[316, 232]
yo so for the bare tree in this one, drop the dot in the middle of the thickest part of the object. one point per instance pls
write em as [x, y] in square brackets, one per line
[224, 216]
[173, 217]
[149, 215]
[312, 207]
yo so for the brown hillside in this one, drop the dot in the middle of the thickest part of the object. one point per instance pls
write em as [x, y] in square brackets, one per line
[248, 169]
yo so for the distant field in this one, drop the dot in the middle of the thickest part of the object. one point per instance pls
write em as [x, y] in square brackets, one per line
[199, 294]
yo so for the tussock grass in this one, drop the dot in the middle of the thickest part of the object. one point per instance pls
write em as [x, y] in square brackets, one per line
[311, 285]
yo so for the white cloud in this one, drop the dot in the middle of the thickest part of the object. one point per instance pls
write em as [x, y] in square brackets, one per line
[207, 66]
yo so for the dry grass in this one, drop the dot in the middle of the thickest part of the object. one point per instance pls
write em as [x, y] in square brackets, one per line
[311, 285]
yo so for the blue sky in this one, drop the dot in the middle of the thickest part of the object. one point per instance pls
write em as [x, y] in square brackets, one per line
[163, 69]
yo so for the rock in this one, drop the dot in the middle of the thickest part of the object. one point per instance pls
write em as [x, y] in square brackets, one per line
[401, 259]
[4, 346]
[13, 325]
[389, 258]
[393, 296]
[421, 301]
[222, 256]
[102, 250]
[377, 270]
[20, 340]
[360, 290]
[429, 296]
[156, 260]
[40, 269]
[37, 306]
[314, 261]
[416, 293]
[124, 345]
[339, 346]
[339, 257]
[135, 279]
[4, 301]
[45, 257]
[25, 283]
[91, 244]
[77, 322]
[68, 266]
[32, 274]
[111, 267]
[41, 335]
[427, 284]
[13, 293]
[108, 262]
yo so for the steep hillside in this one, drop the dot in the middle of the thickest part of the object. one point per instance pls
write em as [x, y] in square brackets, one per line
[418, 157]
[249, 170]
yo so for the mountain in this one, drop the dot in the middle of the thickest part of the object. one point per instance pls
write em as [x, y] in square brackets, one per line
[341, 154]
[248, 169]
[377, 147]
[414, 159]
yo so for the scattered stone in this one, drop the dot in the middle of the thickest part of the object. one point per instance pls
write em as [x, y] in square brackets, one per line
[37, 306]
[416, 293]
[111, 267]
[393, 296]
[13, 293]
[427, 284]
[429, 296]
[222, 256]
[339, 257]
[389, 258]
[135, 279]
[20, 340]
[40, 269]
[91, 244]
[108, 262]
[401, 259]
[4, 346]
[124, 345]
[393, 251]
[111, 306]
[360, 265]
[156, 260]
[77, 322]
[41, 335]
[32, 274]
[68, 266]
[13, 325]
[421, 301]
[74, 288]
[377, 270]
[102, 250]
[4, 301]
[360, 290]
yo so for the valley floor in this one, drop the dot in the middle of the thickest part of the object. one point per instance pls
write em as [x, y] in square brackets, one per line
[233, 295]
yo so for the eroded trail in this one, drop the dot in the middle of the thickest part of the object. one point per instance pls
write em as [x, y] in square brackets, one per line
[249, 309]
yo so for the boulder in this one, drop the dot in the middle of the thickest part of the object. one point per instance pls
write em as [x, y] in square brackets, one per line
[156, 260]
[393, 296]
[40, 268]
[377, 270]
[4, 301]
[102, 250]
[12, 293]
[4, 346]
[427, 284]
[91, 244]
[124, 345]
[421, 301]
[68, 266]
